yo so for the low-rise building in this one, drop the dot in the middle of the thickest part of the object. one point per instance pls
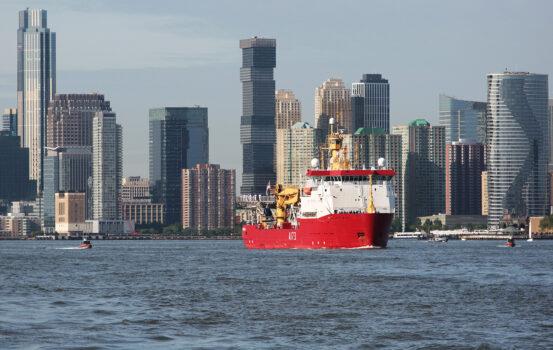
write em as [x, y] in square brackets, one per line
[143, 213]
[135, 189]
[70, 211]
[456, 221]
[98, 228]
[13, 225]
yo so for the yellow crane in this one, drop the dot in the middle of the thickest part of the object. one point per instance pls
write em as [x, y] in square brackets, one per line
[284, 198]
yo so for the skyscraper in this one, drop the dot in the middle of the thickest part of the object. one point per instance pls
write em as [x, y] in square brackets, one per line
[257, 125]
[288, 109]
[107, 166]
[36, 84]
[179, 138]
[550, 107]
[370, 103]
[208, 197]
[485, 196]
[423, 170]
[518, 147]
[464, 164]
[462, 119]
[14, 170]
[69, 119]
[333, 100]
[8, 121]
[295, 149]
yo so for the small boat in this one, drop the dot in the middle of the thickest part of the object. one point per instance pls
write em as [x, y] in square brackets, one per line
[85, 244]
[438, 239]
[530, 239]
[510, 243]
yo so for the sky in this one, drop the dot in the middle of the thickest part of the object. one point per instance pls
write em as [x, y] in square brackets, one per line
[143, 54]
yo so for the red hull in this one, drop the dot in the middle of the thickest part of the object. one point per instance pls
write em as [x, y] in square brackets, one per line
[335, 231]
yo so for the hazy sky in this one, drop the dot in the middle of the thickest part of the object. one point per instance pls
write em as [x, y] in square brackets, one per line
[145, 53]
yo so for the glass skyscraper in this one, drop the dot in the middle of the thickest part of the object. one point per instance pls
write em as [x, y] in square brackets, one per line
[370, 103]
[257, 126]
[14, 170]
[518, 152]
[463, 120]
[36, 84]
[179, 139]
[8, 121]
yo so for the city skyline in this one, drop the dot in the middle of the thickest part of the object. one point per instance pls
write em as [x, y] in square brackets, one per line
[204, 63]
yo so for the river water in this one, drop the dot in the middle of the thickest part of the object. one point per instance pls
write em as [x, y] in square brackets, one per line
[218, 295]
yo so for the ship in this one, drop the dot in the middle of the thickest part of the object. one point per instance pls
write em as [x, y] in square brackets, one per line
[338, 208]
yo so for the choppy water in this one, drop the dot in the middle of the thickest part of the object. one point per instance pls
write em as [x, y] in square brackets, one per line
[187, 294]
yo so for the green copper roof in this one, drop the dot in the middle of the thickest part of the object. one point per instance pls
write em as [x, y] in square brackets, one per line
[370, 131]
[419, 122]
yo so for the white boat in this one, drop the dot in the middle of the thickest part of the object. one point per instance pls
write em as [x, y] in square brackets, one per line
[440, 239]
[410, 235]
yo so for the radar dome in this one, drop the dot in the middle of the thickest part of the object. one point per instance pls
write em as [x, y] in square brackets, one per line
[382, 162]
[331, 121]
[314, 163]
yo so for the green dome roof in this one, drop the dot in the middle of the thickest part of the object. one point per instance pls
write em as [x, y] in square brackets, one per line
[370, 131]
[419, 122]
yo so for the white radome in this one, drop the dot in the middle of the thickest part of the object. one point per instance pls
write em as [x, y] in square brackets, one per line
[315, 163]
[331, 121]
[382, 163]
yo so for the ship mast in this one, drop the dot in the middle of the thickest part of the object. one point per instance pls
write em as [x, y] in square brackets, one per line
[338, 154]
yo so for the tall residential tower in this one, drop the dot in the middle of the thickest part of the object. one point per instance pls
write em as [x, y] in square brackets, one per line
[423, 170]
[333, 100]
[208, 197]
[288, 109]
[517, 145]
[296, 147]
[107, 166]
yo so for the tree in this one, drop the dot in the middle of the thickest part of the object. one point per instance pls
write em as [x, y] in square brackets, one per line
[546, 222]
[427, 226]
[396, 225]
